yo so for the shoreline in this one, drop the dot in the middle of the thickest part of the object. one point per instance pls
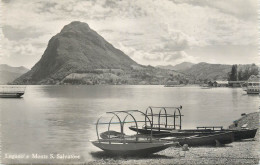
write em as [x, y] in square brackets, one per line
[239, 152]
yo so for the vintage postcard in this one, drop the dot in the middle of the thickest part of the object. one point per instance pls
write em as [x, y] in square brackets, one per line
[129, 82]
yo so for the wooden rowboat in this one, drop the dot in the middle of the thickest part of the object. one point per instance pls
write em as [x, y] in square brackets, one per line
[173, 133]
[238, 134]
[118, 143]
[213, 140]
[132, 147]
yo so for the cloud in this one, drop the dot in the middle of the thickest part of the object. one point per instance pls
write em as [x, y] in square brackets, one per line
[241, 9]
[150, 32]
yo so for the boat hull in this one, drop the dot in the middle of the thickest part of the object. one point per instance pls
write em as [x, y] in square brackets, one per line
[210, 140]
[132, 148]
[11, 95]
[161, 134]
[243, 134]
[238, 134]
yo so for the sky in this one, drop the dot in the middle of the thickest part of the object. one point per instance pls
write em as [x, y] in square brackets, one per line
[151, 32]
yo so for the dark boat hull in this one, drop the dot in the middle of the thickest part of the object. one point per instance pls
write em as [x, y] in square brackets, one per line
[243, 134]
[238, 134]
[209, 140]
[11, 95]
[161, 134]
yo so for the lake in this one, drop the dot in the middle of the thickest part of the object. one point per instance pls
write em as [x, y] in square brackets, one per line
[60, 119]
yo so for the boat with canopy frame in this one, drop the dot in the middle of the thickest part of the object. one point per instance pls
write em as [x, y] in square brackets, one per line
[164, 129]
[175, 130]
[120, 144]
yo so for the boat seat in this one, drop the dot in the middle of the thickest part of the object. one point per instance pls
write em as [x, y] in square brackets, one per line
[244, 126]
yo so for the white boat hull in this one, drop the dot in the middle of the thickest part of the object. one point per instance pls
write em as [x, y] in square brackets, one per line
[139, 148]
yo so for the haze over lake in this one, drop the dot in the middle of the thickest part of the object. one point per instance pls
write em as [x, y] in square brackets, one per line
[60, 119]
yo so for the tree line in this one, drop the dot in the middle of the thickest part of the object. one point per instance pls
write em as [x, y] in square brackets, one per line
[238, 73]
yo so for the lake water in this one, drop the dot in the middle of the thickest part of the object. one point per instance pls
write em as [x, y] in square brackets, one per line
[60, 119]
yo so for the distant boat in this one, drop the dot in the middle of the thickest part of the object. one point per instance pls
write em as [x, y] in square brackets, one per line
[205, 86]
[251, 87]
[180, 85]
[11, 91]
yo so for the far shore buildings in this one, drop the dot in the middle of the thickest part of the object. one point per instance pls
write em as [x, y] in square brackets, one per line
[220, 83]
[223, 83]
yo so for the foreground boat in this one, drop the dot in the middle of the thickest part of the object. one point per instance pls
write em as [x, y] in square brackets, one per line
[118, 143]
[119, 147]
[238, 134]
[212, 140]
[243, 134]
[175, 130]
[172, 133]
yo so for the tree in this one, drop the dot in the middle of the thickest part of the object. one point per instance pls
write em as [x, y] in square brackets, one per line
[233, 74]
[240, 75]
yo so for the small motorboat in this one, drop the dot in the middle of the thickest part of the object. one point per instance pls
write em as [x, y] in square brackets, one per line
[118, 143]
[8, 91]
[11, 95]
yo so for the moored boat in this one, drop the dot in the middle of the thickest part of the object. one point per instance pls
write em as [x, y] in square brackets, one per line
[175, 130]
[11, 95]
[118, 143]
[173, 133]
[251, 87]
[238, 134]
[180, 85]
[119, 147]
[11, 91]
[243, 133]
[205, 140]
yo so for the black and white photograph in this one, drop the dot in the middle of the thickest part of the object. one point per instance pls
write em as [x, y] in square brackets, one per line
[86, 82]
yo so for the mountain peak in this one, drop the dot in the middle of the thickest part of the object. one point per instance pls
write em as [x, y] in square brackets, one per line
[76, 26]
[77, 48]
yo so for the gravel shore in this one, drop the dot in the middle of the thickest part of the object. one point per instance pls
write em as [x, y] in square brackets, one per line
[241, 152]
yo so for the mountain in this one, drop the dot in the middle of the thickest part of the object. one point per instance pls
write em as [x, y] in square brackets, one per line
[79, 55]
[9, 73]
[76, 49]
[178, 67]
[201, 71]
[169, 67]
[183, 66]
[206, 71]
